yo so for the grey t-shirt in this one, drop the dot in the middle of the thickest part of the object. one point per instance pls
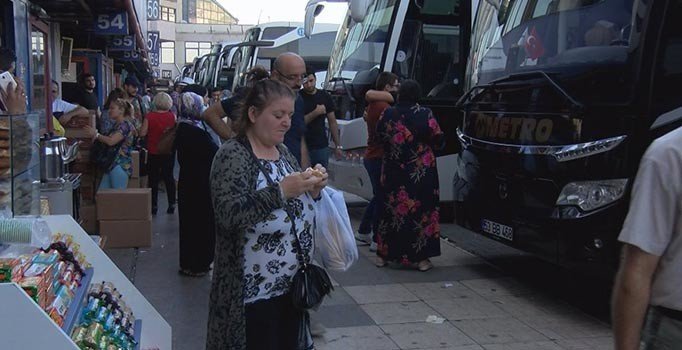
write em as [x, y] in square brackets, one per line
[653, 223]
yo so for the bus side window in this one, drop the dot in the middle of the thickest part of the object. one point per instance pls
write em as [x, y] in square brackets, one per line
[666, 94]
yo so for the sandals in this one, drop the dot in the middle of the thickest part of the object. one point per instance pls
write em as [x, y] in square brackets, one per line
[380, 262]
[424, 265]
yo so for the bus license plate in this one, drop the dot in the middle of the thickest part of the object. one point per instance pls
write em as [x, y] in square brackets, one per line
[496, 229]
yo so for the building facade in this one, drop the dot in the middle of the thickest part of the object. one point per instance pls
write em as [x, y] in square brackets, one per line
[188, 28]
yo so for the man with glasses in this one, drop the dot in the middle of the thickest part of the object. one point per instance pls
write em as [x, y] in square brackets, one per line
[289, 68]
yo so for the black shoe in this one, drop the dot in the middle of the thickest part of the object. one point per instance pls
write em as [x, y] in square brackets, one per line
[171, 209]
[154, 210]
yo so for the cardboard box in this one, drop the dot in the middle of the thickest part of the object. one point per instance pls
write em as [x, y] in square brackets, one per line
[76, 133]
[87, 191]
[134, 182]
[80, 122]
[128, 204]
[135, 166]
[88, 218]
[126, 233]
[79, 166]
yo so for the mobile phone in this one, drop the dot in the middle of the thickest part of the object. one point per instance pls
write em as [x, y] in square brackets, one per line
[6, 79]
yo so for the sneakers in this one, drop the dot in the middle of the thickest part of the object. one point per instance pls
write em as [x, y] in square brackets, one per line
[373, 247]
[366, 239]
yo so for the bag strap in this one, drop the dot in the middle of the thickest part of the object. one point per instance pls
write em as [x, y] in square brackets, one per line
[303, 259]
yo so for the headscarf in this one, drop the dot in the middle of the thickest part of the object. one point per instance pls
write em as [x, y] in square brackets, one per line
[191, 106]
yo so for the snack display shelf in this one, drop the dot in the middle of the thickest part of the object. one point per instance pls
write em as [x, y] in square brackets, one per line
[76, 307]
[23, 325]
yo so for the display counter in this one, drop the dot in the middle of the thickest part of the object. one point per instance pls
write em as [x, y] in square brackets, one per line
[23, 325]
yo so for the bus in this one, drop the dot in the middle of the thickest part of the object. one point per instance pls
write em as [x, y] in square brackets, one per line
[286, 37]
[563, 98]
[426, 40]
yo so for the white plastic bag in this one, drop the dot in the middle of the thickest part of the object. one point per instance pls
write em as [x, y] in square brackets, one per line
[334, 233]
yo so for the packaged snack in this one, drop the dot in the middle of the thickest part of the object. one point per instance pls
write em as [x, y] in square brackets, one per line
[104, 342]
[56, 317]
[46, 258]
[78, 335]
[93, 335]
[31, 285]
[6, 267]
[103, 313]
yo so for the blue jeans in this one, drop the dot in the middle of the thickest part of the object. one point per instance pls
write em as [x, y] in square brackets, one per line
[116, 179]
[319, 156]
[370, 220]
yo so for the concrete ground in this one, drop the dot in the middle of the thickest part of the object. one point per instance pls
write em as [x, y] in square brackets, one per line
[467, 302]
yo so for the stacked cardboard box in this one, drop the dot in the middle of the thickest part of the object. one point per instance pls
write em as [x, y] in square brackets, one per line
[137, 181]
[74, 133]
[125, 217]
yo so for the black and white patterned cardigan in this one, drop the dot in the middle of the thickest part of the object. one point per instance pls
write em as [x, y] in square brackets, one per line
[238, 206]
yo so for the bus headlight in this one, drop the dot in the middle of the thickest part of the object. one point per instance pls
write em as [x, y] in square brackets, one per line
[591, 195]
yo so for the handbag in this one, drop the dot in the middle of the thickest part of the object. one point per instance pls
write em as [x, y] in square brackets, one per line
[104, 156]
[311, 283]
[165, 145]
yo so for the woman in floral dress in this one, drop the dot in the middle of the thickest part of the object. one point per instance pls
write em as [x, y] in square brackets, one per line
[408, 228]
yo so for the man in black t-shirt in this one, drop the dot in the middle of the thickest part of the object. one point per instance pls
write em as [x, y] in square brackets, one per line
[318, 107]
[86, 95]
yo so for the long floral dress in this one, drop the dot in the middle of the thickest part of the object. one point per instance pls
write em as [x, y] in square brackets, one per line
[408, 228]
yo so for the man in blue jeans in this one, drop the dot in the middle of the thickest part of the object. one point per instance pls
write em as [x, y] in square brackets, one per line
[379, 99]
[318, 107]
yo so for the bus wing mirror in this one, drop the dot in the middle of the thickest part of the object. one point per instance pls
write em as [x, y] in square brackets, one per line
[312, 10]
[358, 9]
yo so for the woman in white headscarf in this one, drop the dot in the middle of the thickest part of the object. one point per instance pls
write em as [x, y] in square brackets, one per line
[195, 149]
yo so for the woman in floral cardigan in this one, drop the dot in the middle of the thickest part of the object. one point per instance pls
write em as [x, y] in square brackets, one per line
[408, 228]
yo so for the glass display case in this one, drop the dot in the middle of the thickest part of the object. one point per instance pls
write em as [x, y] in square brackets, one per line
[20, 164]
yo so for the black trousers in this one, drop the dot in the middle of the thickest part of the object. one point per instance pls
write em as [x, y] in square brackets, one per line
[274, 324]
[161, 167]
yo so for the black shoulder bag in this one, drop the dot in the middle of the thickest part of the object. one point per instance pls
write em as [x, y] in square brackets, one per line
[103, 155]
[311, 283]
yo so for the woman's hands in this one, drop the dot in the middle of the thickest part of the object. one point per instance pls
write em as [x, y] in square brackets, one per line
[311, 180]
[319, 172]
[90, 131]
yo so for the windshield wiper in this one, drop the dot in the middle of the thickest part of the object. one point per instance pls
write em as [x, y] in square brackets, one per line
[519, 80]
[345, 86]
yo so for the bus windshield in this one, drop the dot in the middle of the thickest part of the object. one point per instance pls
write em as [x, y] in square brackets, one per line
[514, 36]
[360, 46]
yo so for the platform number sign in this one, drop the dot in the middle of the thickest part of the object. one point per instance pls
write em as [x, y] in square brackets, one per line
[112, 24]
[153, 10]
[130, 56]
[154, 47]
[122, 43]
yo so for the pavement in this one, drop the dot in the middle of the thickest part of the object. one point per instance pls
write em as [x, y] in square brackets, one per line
[467, 302]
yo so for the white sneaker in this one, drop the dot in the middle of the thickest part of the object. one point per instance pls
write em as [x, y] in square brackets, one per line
[366, 239]
[373, 247]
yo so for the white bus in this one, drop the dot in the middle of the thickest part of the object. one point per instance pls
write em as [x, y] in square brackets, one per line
[424, 40]
[286, 37]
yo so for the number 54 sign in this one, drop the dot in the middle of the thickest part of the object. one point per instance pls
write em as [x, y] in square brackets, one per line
[112, 24]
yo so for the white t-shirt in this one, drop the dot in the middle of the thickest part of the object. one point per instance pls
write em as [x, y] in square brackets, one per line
[654, 222]
[60, 105]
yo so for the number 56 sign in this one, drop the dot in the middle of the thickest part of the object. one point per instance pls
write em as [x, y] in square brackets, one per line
[112, 24]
